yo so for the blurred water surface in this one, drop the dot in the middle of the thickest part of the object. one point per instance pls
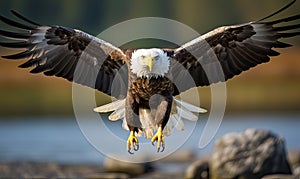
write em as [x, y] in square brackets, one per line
[59, 139]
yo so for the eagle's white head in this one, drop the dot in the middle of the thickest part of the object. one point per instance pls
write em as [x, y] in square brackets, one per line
[149, 63]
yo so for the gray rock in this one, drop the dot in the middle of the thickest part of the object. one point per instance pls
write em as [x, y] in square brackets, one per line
[294, 158]
[162, 175]
[46, 170]
[279, 176]
[180, 156]
[108, 176]
[198, 169]
[296, 171]
[133, 169]
[249, 154]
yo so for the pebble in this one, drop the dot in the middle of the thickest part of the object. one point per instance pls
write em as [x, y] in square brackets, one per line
[133, 169]
[180, 156]
[108, 176]
[198, 169]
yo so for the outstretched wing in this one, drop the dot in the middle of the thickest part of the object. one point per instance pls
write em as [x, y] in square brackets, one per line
[227, 51]
[64, 52]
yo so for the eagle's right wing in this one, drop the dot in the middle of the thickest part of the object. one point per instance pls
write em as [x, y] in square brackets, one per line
[227, 51]
[65, 52]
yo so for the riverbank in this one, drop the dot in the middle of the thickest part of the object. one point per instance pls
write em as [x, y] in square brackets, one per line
[90, 171]
[167, 168]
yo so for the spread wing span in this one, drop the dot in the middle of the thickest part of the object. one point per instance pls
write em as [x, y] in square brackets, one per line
[63, 52]
[227, 51]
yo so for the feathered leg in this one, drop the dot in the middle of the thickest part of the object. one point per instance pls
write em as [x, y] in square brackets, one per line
[132, 119]
[162, 116]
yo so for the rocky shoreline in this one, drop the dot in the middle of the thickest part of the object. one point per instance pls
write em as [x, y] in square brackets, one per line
[56, 170]
[249, 154]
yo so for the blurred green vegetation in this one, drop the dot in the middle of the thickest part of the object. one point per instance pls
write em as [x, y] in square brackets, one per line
[271, 87]
[94, 16]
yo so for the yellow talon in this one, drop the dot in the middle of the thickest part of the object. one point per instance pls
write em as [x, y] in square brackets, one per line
[159, 137]
[132, 143]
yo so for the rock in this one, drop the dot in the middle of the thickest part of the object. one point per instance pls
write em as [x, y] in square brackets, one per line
[278, 176]
[46, 170]
[249, 154]
[198, 169]
[294, 157]
[296, 171]
[161, 174]
[180, 156]
[108, 176]
[133, 169]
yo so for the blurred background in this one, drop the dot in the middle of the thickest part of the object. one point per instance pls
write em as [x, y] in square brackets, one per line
[34, 107]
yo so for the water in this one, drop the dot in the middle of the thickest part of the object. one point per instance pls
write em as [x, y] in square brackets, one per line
[61, 140]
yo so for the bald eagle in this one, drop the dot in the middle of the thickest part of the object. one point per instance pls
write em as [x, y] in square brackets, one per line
[146, 102]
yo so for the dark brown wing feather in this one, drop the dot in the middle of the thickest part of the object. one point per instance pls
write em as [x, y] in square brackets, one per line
[64, 52]
[227, 51]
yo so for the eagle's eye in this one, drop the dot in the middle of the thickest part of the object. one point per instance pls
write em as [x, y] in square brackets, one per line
[143, 60]
[156, 58]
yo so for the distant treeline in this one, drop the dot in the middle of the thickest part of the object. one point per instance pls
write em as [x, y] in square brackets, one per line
[94, 16]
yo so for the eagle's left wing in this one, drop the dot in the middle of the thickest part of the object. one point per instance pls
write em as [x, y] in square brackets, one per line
[67, 53]
[227, 51]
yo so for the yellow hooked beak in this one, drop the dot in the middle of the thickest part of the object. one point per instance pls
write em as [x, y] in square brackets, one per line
[150, 59]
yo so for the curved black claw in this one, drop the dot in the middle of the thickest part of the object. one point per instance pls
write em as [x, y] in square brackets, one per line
[130, 152]
[162, 149]
[159, 138]
[132, 143]
[136, 147]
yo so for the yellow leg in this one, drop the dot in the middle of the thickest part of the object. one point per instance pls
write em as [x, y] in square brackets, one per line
[132, 143]
[159, 137]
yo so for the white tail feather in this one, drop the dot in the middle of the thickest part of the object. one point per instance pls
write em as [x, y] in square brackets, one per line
[147, 121]
[180, 110]
[124, 124]
[177, 122]
[146, 118]
[148, 133]
[167, 131]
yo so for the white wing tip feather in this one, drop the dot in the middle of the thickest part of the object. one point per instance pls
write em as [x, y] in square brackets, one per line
[117, 114]
[111, 106]
[189, 106]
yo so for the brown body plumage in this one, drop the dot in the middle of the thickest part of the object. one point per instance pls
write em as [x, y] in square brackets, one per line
[140, 91]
